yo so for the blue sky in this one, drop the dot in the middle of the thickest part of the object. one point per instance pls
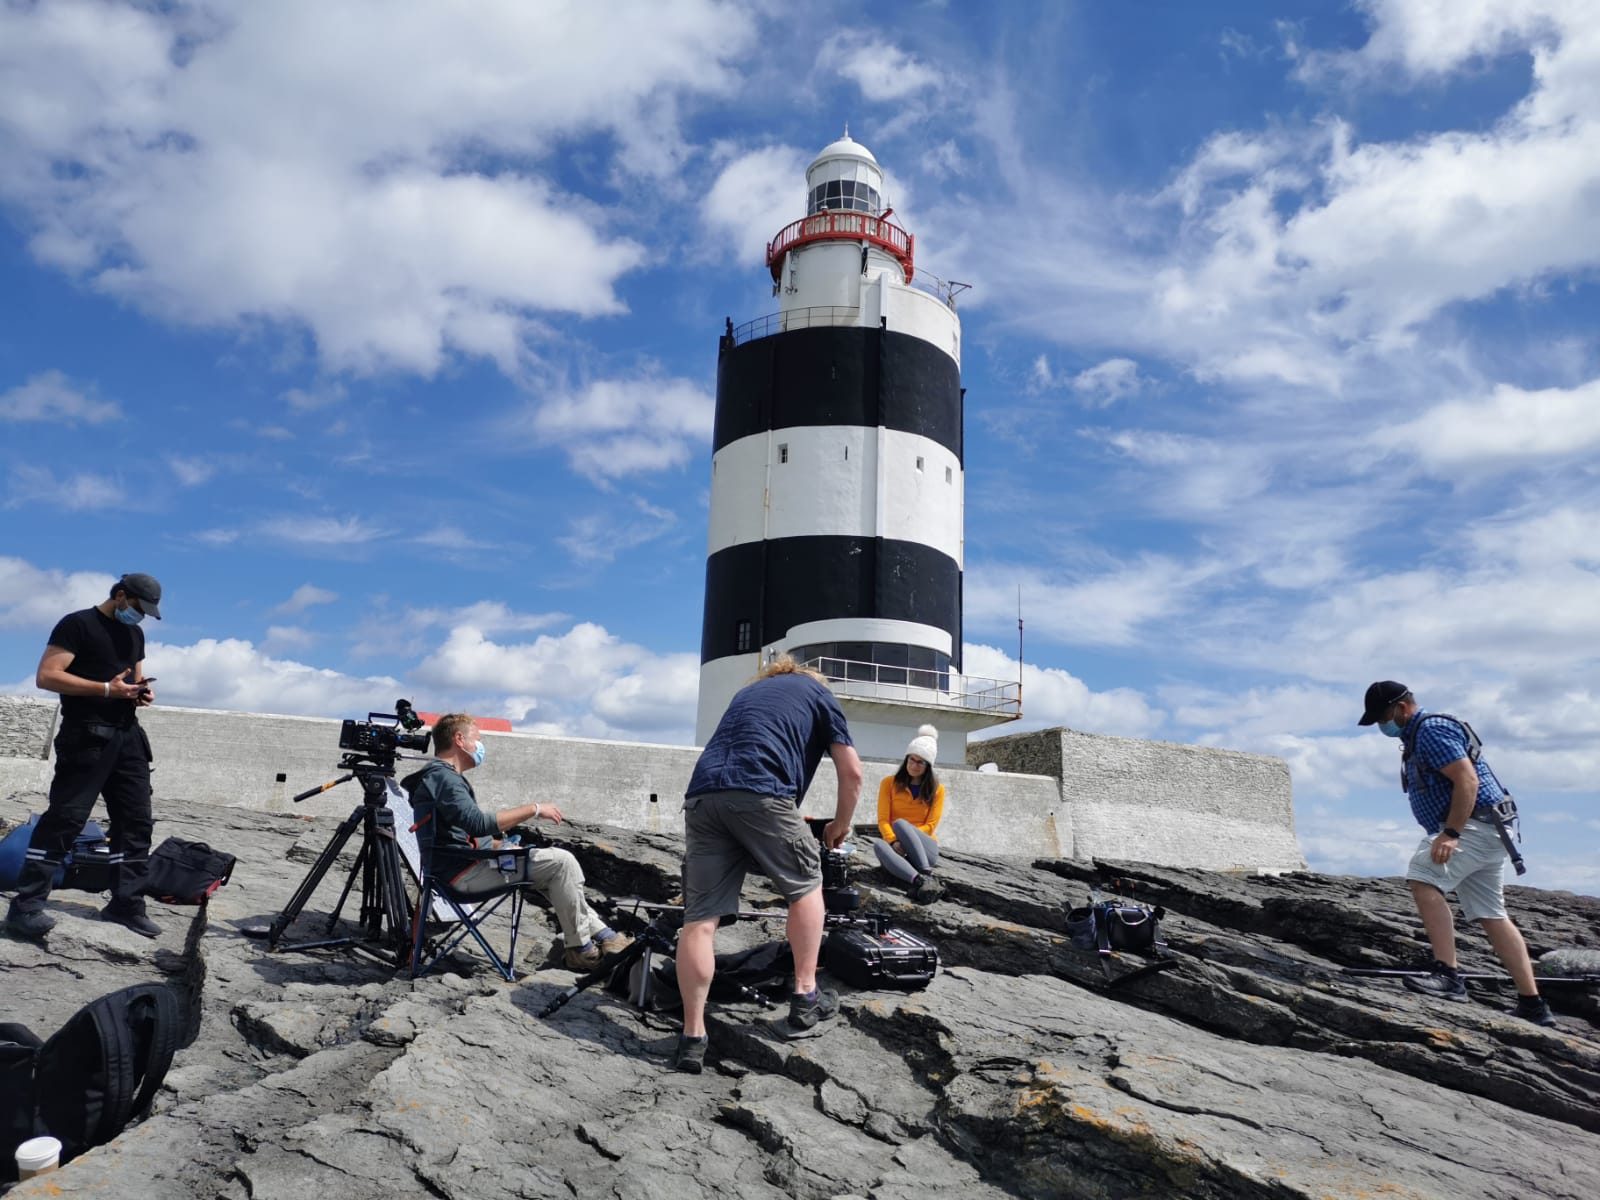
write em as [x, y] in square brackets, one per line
[387, 340]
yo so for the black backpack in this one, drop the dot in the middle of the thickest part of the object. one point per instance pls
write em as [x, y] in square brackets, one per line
[186, 872]
[91, 1077]
[1106, 926]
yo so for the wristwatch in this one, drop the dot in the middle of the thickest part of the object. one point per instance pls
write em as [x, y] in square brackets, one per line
[1455, 833]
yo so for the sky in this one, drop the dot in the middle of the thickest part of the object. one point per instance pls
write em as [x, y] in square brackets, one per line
[384, 334]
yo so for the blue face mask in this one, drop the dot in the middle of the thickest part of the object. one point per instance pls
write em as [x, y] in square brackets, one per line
[478, 753]
[129, 615]
[1389, 729]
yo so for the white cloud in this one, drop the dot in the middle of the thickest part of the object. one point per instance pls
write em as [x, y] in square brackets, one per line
[754, 196]
[586, 682]
[1509, 428]
[1108, 608]
[191, 472]
[307, 595]
[1109, 381]
[1051, 697]
[881, 70]
[601, 537]
[234, 674]
[288, 639]
[313, 163]
[76, 493]
[35, 598]
[50, 396]
[485, 616]
[321, 531]
[618, 427]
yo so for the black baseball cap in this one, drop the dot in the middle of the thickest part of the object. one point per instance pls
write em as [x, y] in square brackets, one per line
[146, 590]
[1380, 697]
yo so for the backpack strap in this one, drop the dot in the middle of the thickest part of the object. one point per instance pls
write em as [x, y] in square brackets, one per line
[159, 1042]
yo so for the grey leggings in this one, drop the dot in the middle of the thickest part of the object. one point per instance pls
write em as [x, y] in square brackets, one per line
[921, 852]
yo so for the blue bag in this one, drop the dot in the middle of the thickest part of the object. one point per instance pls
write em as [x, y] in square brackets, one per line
[87, 866]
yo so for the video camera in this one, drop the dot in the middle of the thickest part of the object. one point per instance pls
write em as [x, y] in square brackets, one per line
[838, 897]
[380, 738]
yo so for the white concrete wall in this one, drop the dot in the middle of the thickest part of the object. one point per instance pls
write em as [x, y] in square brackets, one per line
[1063, 793]
[1161, 802]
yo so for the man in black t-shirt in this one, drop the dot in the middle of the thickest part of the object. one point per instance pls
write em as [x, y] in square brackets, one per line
[95, 662]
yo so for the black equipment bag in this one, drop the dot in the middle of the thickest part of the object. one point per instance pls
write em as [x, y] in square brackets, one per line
[186, 872]
[1106, 926]
[86, 868]
[870, 959]
[90, 1078]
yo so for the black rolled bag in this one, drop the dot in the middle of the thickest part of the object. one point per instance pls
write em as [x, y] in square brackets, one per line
[186, 872]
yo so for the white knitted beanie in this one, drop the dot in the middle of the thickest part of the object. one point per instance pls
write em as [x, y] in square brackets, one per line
[926, 744]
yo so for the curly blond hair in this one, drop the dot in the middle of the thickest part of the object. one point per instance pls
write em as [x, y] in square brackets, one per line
[785, 664]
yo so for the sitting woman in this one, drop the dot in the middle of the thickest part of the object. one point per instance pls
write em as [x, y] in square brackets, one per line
[910, 803]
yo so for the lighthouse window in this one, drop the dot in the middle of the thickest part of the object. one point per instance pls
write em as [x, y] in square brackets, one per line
[919, 462]
[833, 194]
[949, 476]
[783, 453]
[741, 638]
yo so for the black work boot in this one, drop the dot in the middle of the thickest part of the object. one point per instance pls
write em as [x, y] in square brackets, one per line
[1442, 982]
[130, 914]
[1535, 1009]
[806, 1014]
[691, 1055]
[30, 923]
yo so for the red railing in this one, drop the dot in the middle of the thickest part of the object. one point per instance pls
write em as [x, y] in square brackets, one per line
[843, 227]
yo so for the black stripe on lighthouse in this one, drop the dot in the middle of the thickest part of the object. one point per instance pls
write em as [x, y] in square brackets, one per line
[770, 587]
[839, 375]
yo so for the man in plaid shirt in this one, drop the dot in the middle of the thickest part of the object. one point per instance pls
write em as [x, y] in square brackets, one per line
[1452, 797]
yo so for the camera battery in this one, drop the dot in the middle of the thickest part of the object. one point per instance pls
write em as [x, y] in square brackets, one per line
[893, 958]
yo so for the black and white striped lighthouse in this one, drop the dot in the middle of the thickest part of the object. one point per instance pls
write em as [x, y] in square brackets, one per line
[837, 492]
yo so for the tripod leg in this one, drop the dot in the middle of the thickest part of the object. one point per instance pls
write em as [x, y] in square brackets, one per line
[308, 885]
[396, 908]
[604, 971]
[362, 868]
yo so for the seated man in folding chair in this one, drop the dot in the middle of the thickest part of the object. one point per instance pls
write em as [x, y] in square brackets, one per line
[449, 821]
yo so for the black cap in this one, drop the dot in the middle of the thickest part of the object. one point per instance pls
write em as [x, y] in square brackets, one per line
[145, 590]
[1380, 697]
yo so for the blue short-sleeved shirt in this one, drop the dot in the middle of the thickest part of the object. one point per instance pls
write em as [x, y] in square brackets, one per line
[771, 739]
[1439, 742]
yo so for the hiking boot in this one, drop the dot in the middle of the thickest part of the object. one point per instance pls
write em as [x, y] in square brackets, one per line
[130, 916]
[1441, 982]
[1535, 1009]
[583, 959]
[615, 944]
[691, 1055]
[806, 1014]
[25, 923]
[925, 889]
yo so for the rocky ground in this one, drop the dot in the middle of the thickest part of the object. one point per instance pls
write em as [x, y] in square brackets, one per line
[1252, 1069]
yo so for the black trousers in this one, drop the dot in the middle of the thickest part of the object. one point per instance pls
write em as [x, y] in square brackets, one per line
[93, 761]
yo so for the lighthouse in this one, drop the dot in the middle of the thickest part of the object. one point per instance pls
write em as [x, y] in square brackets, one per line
[837, 510]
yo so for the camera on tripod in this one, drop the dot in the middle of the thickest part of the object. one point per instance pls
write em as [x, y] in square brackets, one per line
[837, 895]
[380, 738]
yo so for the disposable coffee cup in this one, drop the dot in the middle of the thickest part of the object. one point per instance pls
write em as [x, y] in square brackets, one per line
[38, 1155]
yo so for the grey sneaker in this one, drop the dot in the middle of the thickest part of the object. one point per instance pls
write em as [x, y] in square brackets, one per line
[29, 924]
[130, 916]
[691, 1055]
[1441, 982]
[1535, 1009]
[806, 1014]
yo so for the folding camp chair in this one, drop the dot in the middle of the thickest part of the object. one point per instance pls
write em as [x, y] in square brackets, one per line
[462, 916]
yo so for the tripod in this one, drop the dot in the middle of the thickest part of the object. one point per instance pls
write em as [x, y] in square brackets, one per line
[660, 936]
[385, 910]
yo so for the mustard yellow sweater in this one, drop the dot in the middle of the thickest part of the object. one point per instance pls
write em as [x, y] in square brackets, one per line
[898, 804]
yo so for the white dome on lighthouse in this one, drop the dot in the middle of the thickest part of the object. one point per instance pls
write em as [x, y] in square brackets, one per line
[844, 177]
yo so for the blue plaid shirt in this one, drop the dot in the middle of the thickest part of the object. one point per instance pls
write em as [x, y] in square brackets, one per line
[1439, 743]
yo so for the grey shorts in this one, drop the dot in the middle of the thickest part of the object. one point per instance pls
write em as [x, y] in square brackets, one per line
[1475, 872]
[730, 833]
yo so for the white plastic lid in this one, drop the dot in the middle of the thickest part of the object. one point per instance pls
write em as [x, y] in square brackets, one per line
[36, 1153]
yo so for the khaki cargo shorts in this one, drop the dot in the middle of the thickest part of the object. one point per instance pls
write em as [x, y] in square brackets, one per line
[1475, 872]
[731, 833]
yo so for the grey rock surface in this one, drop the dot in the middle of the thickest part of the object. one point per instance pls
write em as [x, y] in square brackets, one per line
[1251, 1069]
